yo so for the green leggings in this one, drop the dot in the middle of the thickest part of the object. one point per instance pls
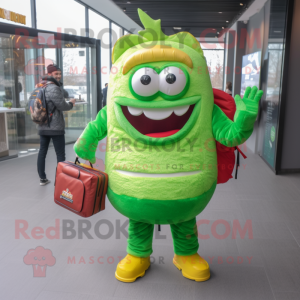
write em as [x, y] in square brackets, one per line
[140, 235]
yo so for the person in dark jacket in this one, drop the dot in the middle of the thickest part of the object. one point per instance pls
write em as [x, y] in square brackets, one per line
[104, 91]
[55, 99]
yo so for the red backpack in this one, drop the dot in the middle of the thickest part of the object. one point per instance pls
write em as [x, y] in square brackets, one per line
[225, 155]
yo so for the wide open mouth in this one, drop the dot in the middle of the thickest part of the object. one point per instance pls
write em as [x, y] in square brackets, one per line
[158, 122]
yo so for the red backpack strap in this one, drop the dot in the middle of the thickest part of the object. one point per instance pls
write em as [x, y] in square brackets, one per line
[238, 159]
[239, 150]
[225, 102]
[225, 155]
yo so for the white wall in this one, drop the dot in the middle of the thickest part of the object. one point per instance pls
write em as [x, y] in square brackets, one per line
[110, 10]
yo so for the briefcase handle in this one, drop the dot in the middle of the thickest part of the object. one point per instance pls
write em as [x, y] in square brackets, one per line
[77, 161]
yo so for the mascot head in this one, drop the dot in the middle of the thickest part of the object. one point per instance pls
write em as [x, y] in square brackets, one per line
[159, 84]
[159, 116]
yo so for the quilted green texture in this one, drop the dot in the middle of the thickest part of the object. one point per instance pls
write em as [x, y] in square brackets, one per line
[192, 149]
[160, 212]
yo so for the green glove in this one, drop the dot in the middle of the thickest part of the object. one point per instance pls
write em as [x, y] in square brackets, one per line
[247, 107]
[237, 132]
[87, 143]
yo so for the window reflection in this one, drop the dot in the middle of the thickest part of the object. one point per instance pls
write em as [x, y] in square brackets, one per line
[24, 67]
[116, 32]
[271, 83]
[21, 7]
[99, 26]
[67, 16]
[215, 64]
[274, 71]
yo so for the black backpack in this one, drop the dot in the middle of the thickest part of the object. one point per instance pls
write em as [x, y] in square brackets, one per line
[37, 104]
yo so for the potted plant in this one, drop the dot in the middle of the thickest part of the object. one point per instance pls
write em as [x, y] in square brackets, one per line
[8, 105]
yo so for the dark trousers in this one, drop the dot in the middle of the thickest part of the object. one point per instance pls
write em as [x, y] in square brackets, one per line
[59, 146]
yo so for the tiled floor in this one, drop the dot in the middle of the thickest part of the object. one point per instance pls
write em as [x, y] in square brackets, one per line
[266, 266]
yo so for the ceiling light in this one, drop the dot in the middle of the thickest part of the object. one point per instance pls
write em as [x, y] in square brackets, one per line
[241, 4]
[177, 28]
[128, 2]
[218, 32]
[227, 21]
[223, 27]
[220, 12]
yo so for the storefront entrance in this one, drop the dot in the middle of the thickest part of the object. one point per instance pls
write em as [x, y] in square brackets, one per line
[25, 54]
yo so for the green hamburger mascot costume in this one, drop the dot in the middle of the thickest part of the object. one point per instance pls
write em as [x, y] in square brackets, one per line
[163, 130]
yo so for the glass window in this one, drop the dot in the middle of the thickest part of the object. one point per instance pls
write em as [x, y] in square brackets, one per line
[7, 84]
[8, 132]
[21, 7]
[215, 64]
[67, 16]
[74, 72]
[50, 57]
[12, 93]
[271, 83]
[271, 102]
[77, 76]
[23, 69]
[212, 46]
[99, 28]
[116, 33]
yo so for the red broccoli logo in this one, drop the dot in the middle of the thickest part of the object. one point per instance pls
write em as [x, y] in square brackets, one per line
[39, 258]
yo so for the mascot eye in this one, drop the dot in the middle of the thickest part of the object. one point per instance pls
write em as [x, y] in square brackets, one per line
[145, 82]
[145, 79]
[172, 81]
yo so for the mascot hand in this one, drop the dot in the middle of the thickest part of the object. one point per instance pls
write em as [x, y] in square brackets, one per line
[85, 150]
[90, 159]
[250, 101]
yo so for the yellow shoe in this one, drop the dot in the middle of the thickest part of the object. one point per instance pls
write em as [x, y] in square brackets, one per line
[193, 266]
[132, 267]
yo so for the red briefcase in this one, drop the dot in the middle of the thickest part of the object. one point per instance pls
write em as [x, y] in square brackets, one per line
[80, 188]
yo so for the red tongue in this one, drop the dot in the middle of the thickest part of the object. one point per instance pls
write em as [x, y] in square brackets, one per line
[162, 134]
